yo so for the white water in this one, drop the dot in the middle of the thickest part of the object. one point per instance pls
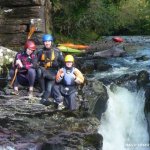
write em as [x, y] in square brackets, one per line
[123, 125]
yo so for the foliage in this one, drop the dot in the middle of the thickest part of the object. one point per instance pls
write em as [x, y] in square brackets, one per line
[86, 20]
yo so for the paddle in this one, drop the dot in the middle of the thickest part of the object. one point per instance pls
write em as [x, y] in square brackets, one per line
[15, 75]
[32, 30]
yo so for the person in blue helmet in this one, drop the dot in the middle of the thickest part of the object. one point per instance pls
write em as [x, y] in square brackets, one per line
[50, 59]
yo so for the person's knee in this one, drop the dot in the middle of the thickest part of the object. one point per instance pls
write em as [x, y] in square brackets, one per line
[55, 87]
[49, 89]
[32, 72]
[73, 101]
[39, 73]
[49, 85]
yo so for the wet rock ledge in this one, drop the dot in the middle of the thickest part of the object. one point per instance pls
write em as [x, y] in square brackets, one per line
[26, 124]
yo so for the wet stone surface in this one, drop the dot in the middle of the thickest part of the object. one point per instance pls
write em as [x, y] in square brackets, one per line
[25, 123]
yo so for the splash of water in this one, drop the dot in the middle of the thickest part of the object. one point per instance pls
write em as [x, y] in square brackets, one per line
[123, 125]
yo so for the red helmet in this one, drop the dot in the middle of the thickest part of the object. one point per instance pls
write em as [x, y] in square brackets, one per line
[30, 44]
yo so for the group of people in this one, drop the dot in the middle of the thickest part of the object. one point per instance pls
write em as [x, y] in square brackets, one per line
[56, 75]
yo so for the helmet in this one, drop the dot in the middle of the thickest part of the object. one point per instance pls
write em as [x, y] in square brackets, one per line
[47, 37]
[69, 58]
[30, 44]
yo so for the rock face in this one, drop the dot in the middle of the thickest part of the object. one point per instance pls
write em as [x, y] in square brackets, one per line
[26, 124]
[96, 94]
[144, 82]
[17, 17]
[6, 58]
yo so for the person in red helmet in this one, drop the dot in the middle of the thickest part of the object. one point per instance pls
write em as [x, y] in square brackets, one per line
[25, 61]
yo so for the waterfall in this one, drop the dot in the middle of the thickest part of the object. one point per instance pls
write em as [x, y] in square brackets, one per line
[123, 125]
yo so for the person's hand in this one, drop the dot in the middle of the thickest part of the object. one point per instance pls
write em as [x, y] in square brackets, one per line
[19, 63]
[74, 76]
[27, 66]
[62, 74]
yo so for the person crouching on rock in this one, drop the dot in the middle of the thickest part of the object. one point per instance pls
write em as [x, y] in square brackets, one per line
[23, 67]
[65, 90]
[50, 59]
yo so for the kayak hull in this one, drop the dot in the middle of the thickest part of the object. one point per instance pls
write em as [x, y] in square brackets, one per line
[118, 39]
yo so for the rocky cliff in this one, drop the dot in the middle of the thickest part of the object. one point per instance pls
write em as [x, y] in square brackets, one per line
[17, 17]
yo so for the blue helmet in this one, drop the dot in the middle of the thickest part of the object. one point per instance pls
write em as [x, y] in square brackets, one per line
[47, 37]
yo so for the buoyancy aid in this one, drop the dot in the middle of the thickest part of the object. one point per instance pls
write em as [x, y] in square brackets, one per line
[48, 57]
[68, 79]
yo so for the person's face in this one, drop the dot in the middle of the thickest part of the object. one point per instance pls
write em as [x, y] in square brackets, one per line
[47, 44]
[29, 51]
[69, 64]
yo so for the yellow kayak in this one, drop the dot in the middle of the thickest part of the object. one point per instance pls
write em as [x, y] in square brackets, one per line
[75, 46]
[70, 50]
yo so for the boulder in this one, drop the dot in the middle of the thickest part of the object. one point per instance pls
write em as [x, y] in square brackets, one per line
[96, 94]
[33, 125]
[6, 56]
[103, 67]
[144, 83]
[113, 52]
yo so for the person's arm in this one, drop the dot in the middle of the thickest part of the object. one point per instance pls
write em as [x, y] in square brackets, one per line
[39, 54]
[37, 61]
[18, 61]
[34, 62]
[60, 58]
[59, 75]
[79, 78]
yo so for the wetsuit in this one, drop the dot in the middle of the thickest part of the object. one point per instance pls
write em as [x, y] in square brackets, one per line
[66, 90]
[26, 75]
[49, 62]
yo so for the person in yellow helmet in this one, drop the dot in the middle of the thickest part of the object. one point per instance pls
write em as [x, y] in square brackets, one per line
[67, 79]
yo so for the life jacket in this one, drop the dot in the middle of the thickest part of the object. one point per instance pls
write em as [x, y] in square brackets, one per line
[68, 79]
[48, 57]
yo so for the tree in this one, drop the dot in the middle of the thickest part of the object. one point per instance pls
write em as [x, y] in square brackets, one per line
[87, 20]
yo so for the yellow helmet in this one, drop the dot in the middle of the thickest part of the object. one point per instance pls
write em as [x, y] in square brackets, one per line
[69, 58]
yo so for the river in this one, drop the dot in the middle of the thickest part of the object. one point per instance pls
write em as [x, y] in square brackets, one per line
[123, 125]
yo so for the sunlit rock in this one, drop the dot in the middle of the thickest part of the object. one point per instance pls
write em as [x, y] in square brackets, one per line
[6, 56]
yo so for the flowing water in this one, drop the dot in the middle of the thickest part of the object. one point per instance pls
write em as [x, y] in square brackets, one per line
[128, 64]
[123, 125]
